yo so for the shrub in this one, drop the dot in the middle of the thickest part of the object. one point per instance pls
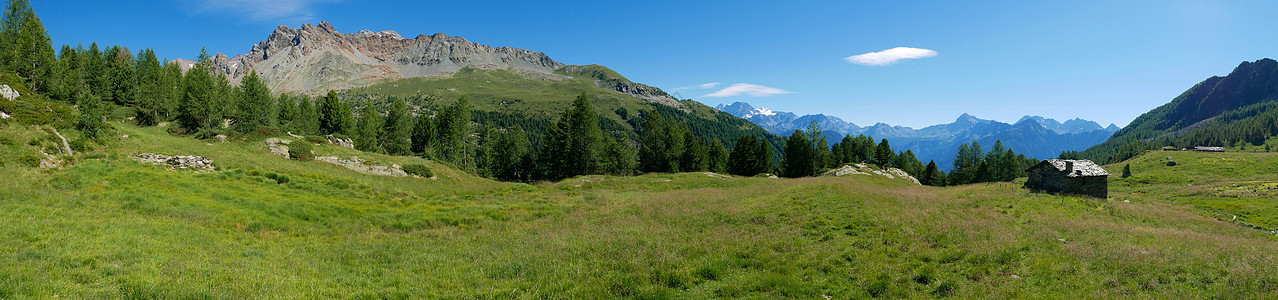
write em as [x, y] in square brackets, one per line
[300, 151]
[81, 145]
[316, 139]
[281, 179]
[419, 170]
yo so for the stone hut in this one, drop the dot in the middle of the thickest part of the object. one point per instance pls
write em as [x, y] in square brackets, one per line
[1082, 177]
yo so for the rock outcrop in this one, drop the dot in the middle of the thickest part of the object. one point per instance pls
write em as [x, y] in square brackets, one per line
[198, 163]
[863, 169]
[318, 57]
[340, 142]
[8, 93]
[278, 146]
[359, 165]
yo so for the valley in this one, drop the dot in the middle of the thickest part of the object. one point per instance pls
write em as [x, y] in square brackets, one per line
[371, 165]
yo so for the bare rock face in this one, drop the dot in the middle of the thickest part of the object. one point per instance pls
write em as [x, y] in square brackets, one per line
[340, 142]
[198, 163]
[359, 165]
[863, 169]
[278, 146]
[8, 93]
[318, 57]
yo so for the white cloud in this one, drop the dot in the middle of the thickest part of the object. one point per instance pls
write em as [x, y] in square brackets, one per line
[753, 90]
[708, 85]
[889, 56]
[255, 10]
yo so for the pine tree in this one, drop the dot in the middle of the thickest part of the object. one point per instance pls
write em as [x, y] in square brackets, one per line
[717, 157]
[70, 79]
[28, 51]
[742, 160]
[556, 150]
[451, 129]
[329, 113]
[370, 129]
[694, 154]
[172, 91]
[90, 121]
[619, 158]
[398, 129]
[1127, 170]
[660, 146]
[307, 121]
[95, 69]
[509, 152]
[197, 112]
[928, 173]
[883, 155]
[820, 149]
[120, 85]
[585, 137]
[151, 90]
[763, 156]
[254, 106]
[423, 132]
[798, 156]
[286, 115]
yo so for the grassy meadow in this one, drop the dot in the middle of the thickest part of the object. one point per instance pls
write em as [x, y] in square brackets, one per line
[108, 226]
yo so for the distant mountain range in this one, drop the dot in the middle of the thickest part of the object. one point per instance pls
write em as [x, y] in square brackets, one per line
[1033, 136]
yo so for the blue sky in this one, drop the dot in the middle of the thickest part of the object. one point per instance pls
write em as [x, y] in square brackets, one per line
[1107, 61]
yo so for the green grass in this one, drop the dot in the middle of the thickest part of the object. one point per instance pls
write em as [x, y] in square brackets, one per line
[1224, 184]
[110, 227]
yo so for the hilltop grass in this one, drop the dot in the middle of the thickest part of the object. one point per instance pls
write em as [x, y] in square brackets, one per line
[111, 227]
[1235, 187]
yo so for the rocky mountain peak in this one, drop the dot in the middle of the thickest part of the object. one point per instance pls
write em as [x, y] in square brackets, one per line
[316, 58]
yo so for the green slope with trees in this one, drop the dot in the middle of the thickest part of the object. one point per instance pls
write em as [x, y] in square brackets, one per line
[1227, 111]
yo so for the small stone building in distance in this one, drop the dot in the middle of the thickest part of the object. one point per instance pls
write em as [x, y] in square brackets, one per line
[1069, 176]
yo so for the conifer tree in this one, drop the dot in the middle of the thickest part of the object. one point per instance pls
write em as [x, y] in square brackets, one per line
[509, 152]
[619, 158]
[398, 129]
[329, 113]
[928, 173]
[798, 160]
[172, 91]
[121, 84]
[424, 132]
[556, 150]
[151, 90]
[369, 129]
[198, 112]
[743, 160]
[254, 106]
[661, 144]
[90, 121]
[27, 49]
[1127, 170]
[883, 155]
[307, 116]
[95, 69]
[694, 157]
[717, 157]
[451, 128]
[584, 136]
[286, 115]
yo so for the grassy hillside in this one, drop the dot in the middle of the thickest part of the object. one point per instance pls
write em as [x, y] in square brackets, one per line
[1234, 187]
[109, 226]
[505, 98]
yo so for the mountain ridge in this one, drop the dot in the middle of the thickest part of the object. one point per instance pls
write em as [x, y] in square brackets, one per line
[1034, 136]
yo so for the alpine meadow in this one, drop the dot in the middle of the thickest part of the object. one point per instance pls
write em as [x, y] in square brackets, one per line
[327, 163]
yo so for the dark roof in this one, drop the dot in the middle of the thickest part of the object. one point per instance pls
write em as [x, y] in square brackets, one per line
[1082, 167]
